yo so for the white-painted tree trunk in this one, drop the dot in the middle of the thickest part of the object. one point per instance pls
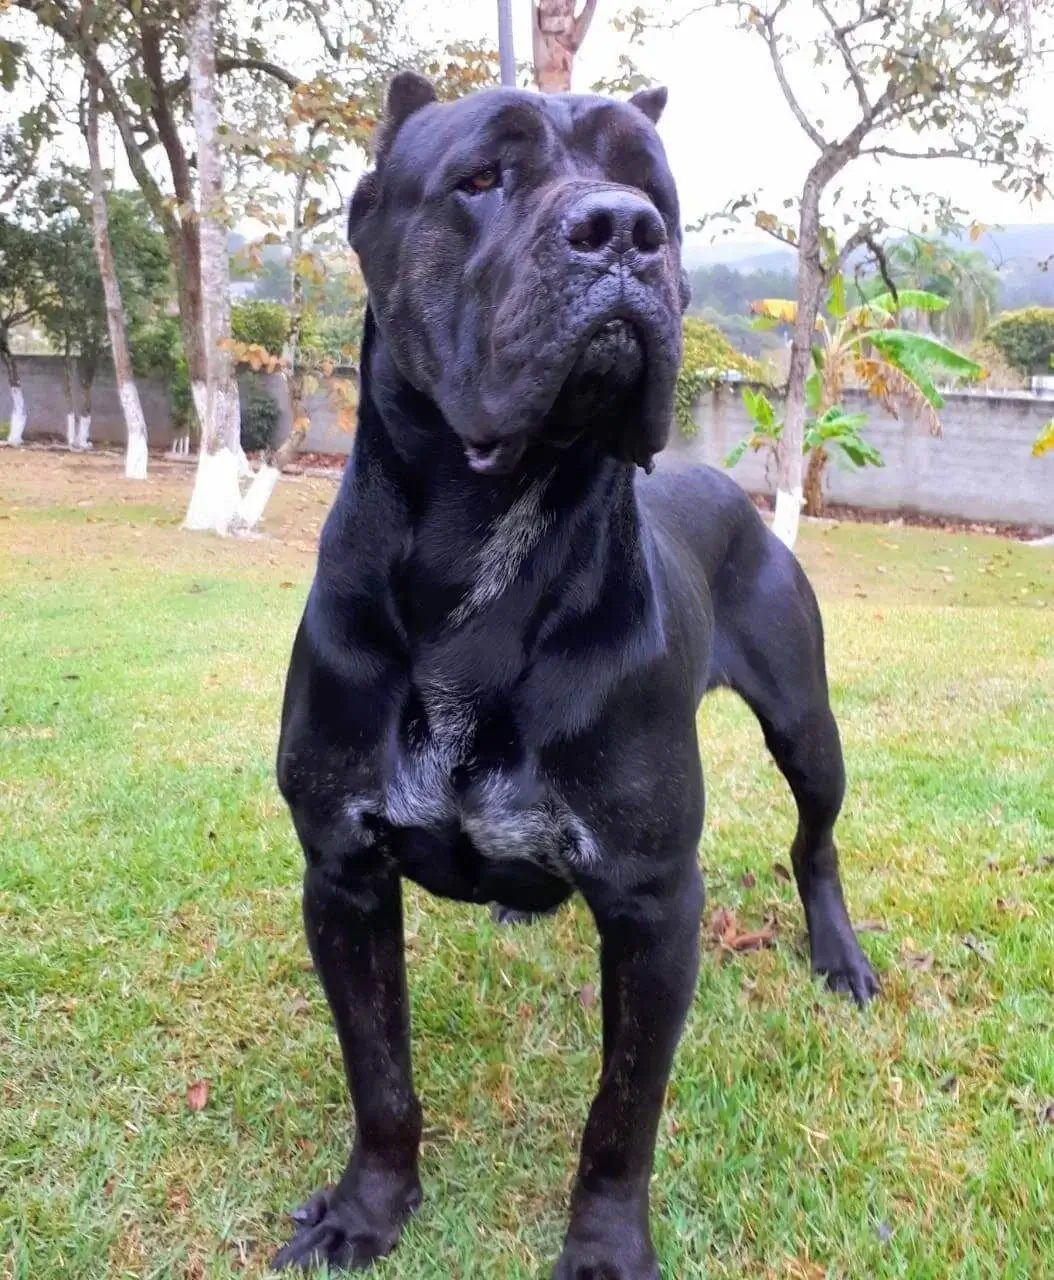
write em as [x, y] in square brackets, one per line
[19, 417]
[216, 499]
[136, 454]
[84, 431]
[258, 495]
[71, 429]
[787, 516]
[136, 451]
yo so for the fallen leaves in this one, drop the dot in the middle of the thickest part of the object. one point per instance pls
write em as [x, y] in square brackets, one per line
[198, 1095]
[725, 932]
[781, 872]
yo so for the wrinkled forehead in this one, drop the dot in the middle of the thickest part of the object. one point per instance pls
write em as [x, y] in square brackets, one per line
[575, 133]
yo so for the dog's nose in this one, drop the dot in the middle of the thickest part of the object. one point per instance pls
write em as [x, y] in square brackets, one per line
[615, 222]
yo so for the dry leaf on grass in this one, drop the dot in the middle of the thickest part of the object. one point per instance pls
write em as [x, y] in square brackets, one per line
[726, 933]
[871, 926]
[587, 996]
[781, 872]
[198, 1095]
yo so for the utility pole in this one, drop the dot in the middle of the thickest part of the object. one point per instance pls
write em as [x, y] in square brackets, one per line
[506, 53]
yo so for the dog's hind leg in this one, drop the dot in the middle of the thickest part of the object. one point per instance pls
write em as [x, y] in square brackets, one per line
[769, 648]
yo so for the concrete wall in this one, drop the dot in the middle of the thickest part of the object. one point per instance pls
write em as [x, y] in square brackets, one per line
[42, 386]
[982, 469]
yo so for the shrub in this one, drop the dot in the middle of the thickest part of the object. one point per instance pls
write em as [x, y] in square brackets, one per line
[260, 414]
[707, 357]
[261, 324]
[1026, 338]
[157, 351]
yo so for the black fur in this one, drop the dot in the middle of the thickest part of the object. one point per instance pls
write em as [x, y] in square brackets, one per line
[494, 686]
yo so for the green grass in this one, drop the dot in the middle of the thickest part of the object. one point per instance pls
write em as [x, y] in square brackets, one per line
[149, 916]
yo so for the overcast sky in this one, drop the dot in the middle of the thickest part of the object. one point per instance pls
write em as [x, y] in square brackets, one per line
[727, 129]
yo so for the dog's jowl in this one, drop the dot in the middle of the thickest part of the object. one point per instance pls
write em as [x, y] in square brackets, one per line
[493, 689]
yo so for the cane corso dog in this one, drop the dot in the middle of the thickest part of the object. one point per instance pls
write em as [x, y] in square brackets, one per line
[494, 687]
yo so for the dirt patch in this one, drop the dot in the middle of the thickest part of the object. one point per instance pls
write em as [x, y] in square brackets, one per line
[918, 520]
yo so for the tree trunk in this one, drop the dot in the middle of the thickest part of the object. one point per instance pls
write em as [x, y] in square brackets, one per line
[85, 381]
[17, 428]
[69, 377]
[259, 493]
[813, 489]
[216, 497]
[810, 293]
[135, 458]
[557, 36]
[183, 232]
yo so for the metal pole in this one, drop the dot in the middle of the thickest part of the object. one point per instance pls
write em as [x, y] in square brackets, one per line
[505, 47]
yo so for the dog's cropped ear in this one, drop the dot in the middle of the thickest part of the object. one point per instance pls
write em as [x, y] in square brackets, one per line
[407, 93]
[363, 200]
[651, 102]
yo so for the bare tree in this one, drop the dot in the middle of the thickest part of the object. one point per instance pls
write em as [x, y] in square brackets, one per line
[558, 32]
[135, 460]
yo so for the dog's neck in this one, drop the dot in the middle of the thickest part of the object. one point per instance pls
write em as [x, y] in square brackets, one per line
[454, 543]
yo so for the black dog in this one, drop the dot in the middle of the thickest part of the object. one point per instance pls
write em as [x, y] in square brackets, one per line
[494, 686]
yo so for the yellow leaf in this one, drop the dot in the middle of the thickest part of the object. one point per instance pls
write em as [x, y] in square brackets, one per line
[782, 309]
[977, 230]
[1044, 441]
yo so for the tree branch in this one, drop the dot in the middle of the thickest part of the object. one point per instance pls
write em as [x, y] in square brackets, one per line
[769, 26]
[839, 34]
[934, 153]
[583, 20]
[176, 88]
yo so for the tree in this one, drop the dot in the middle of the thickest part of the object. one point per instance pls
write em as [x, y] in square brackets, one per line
[1025, 338]
[557, 35]
[24, 290]
[930, 80]
[962, 277]
[135, 461]
[894, 365]
[74, 314]
[216, 497]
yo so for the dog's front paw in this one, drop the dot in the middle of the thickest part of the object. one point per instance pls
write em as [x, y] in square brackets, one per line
[340, 1231]
[838, 958]
[608, 1248]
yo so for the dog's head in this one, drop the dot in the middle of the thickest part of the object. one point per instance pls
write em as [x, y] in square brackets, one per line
[522, 255]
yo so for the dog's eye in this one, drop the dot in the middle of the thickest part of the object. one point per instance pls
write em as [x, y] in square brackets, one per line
[485, 179]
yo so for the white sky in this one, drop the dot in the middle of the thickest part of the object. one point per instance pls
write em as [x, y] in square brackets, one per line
[727, 128]
[724, 139]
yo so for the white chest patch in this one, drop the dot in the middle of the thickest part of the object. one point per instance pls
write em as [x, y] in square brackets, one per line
[420, 793]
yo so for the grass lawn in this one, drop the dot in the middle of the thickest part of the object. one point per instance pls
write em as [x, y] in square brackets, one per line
[150, 940]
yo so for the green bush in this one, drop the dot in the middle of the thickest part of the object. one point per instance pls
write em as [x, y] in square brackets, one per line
[707, 356]
[335, 338]
[157, 352]
[1025, 338]
[260, 414]
[261, 324]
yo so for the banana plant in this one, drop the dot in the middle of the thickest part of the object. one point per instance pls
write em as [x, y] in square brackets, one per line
[834, 430]
[867, 343]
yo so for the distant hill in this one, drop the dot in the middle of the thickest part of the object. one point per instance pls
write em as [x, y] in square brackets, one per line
[1017, 252]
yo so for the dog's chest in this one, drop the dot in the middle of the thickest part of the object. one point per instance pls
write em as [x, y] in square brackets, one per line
[506, 808]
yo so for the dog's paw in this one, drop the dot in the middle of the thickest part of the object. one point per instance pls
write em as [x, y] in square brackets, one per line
[840, 961]
[339, 1232]
[596, 1261]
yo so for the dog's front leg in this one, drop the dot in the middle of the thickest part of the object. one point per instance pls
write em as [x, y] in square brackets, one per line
[353, 919]
[649, 965]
